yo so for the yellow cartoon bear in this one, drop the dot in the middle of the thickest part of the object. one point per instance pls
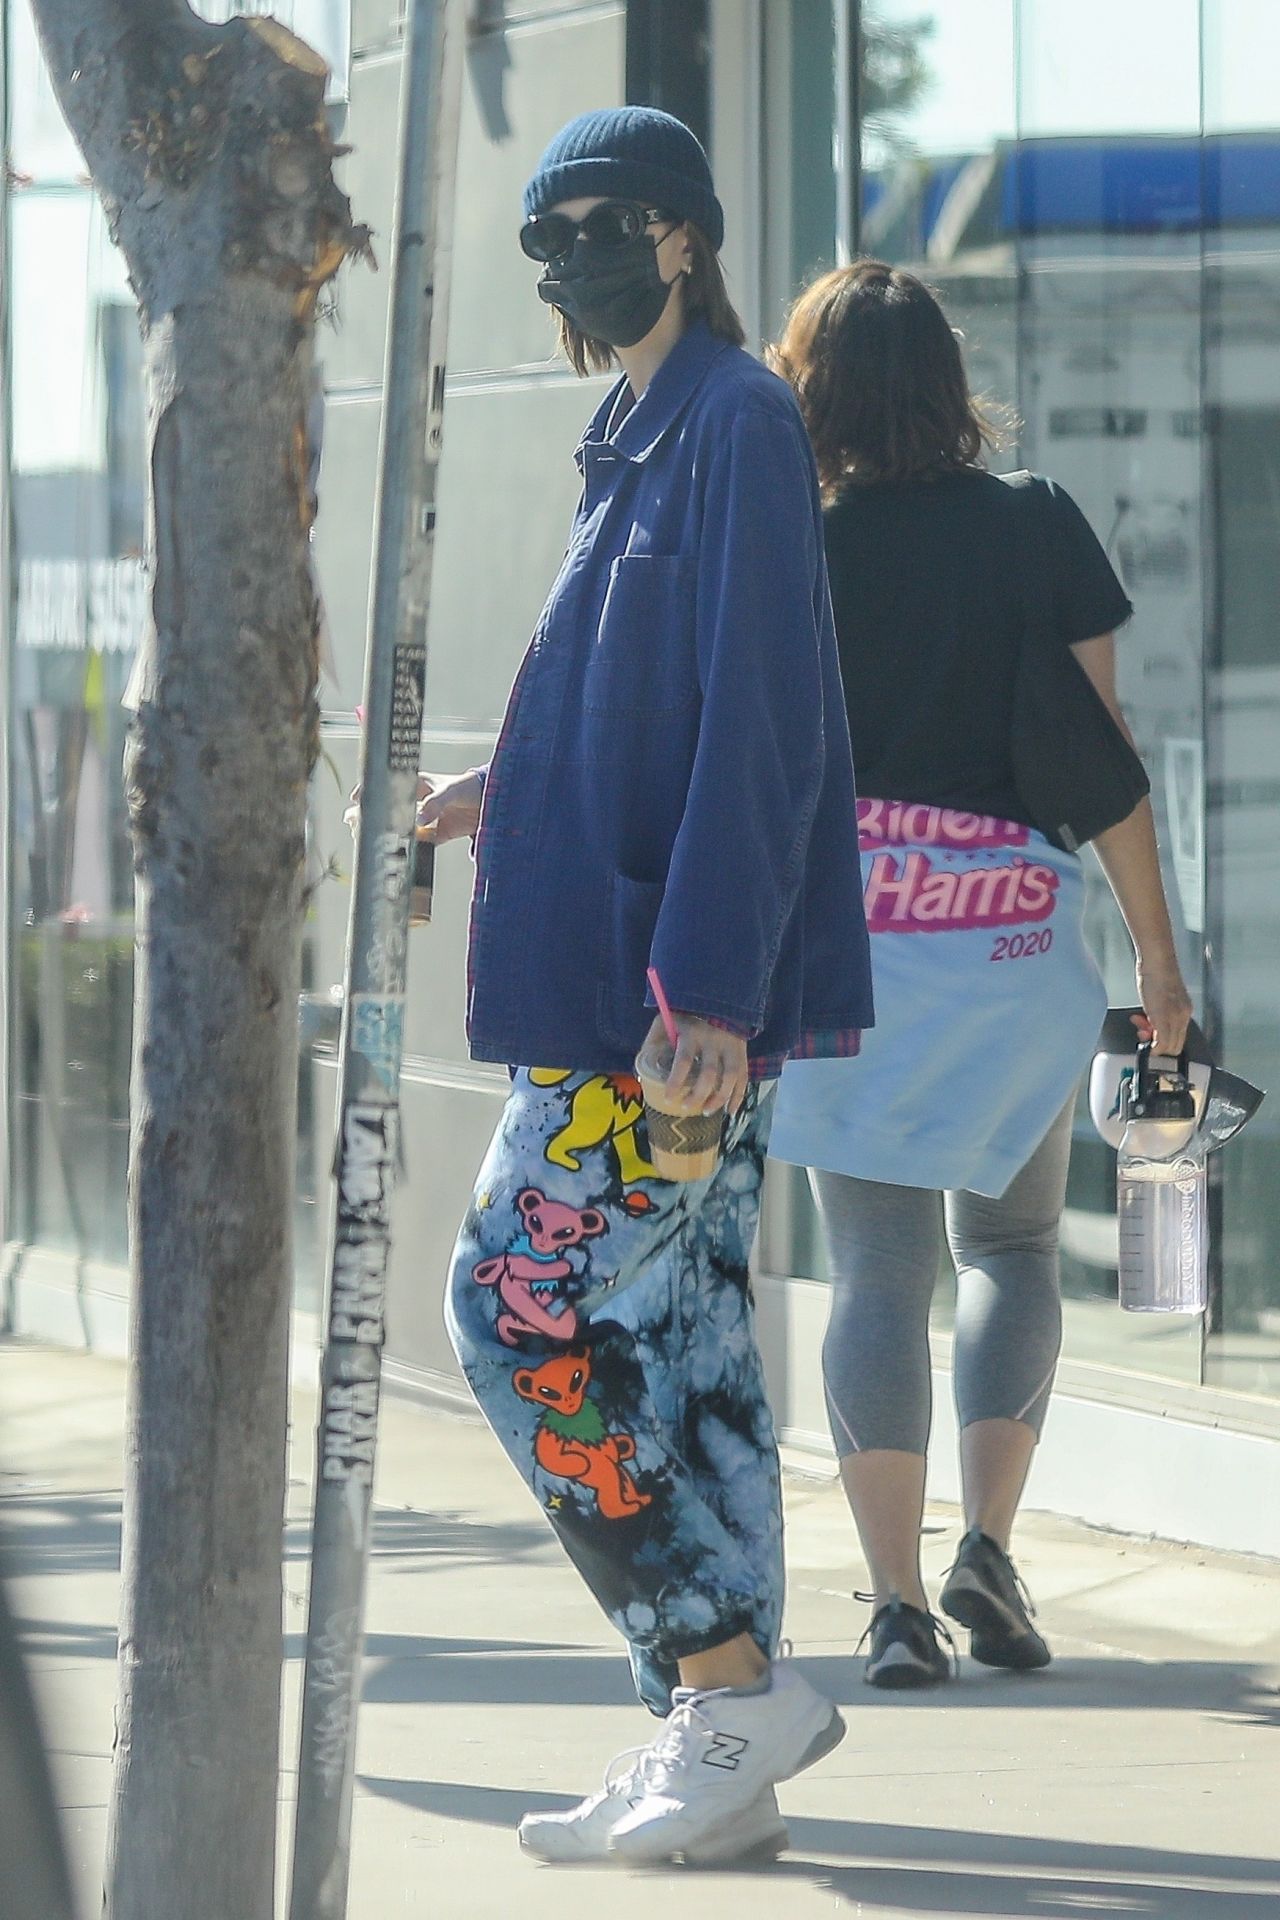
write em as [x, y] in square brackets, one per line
[605, 1108]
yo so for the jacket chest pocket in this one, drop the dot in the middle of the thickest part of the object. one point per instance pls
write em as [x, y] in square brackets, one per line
[642, 659]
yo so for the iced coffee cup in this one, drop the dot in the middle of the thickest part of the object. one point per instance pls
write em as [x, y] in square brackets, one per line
[682, 1146]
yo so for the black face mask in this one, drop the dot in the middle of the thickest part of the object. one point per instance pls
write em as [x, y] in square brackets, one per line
[615, 294]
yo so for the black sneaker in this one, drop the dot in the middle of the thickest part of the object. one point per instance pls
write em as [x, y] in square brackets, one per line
[984, 1592]
[905, 1649]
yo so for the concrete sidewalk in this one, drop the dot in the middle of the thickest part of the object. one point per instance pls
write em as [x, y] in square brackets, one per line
[1139, 1776]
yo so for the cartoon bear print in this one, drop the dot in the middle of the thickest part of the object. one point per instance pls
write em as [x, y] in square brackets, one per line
[572, 1441]
[530, 1275]
[604, 1110]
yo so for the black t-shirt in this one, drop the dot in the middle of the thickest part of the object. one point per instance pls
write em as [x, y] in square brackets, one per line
[925, 584]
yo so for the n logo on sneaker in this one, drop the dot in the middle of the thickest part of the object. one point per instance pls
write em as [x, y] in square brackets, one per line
[725, 1751]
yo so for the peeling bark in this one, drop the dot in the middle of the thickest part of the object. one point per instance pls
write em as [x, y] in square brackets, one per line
[210, 149]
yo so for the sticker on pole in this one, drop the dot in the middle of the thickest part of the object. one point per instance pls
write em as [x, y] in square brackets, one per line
[377, 1035]
[408, 685]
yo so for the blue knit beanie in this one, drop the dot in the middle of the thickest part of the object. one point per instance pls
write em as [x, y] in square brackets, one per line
[629, 153]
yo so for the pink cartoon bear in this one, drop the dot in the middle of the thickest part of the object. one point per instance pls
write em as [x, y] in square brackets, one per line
[529, 1275]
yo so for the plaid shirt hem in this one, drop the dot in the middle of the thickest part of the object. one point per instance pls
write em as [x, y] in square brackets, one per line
[829, 1043]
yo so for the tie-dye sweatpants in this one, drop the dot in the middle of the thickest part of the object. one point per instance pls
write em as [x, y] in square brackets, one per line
[603, 1318]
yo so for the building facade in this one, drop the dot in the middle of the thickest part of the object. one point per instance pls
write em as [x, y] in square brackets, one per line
[1094, 190]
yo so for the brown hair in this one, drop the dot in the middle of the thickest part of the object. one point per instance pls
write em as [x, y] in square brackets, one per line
[879, 377]
[705, 295]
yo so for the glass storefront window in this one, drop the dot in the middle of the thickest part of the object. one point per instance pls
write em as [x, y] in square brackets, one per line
[799, 212]
[1241, 42]
[667, 59]
[1108, 215]
[77, 493]
[1092, 192]
[77, 488]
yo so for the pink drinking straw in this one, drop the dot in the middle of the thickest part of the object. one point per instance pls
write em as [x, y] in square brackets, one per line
[664, 1009]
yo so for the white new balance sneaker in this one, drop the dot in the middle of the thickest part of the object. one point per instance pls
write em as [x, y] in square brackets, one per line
[581, 1836]
[717, 1754]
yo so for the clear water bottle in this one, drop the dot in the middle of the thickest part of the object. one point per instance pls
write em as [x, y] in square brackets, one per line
[1160, 1193]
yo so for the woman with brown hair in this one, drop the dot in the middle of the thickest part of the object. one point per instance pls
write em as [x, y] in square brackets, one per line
[957, 1115]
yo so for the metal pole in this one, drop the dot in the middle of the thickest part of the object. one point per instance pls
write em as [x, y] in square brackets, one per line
[368, 1144]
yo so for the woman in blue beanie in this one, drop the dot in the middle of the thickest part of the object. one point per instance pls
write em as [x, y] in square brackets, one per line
[671, 795]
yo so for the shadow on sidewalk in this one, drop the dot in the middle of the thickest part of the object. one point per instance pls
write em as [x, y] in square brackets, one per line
[80, 1533]
[515, 1674]
[937, 1870]
[446, 1673]
[407, 1532]
[72, 1534]
[1233, 1689]
[60, 1533]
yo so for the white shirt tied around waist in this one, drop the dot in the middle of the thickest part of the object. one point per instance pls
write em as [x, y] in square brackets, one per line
[982, 1028]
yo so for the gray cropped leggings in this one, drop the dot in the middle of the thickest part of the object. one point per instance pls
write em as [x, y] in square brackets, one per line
[884, 1244]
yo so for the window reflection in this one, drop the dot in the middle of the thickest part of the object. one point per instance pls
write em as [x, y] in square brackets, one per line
[1108, 247]
[799, 198]
[1064, 237]
[1242, 332]
[1090, 67]
[77, 529]
[77, 497]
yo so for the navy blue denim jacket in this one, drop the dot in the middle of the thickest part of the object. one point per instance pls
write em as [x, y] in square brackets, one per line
[673, 783]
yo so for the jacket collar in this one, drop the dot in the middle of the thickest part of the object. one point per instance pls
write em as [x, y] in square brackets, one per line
[617, 430]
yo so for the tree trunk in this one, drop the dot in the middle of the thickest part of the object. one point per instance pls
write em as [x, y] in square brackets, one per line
[210, 149]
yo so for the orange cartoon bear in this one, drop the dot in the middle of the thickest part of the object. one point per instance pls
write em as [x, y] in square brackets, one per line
[572, 1441]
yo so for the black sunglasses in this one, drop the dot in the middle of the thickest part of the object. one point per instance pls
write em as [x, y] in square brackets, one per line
[614, 223]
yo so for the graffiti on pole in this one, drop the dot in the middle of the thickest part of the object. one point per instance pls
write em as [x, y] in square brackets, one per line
[408, 686]
[358, 1293]
[349, 1431]
[368, 1157]
[332, 1676]
[392, 850]
[389, 922]
[366, 1176]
